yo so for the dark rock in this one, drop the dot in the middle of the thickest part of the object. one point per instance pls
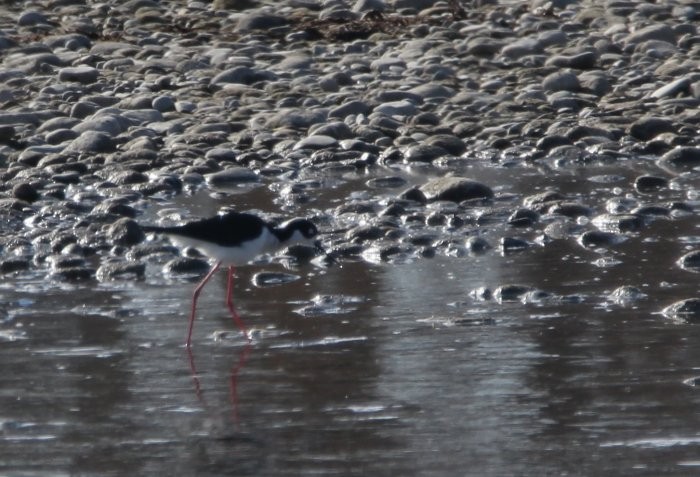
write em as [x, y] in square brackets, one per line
[681, 85]
[232, 176]
[80, 74]
[424, 153]
[121, 271]
[651, 210]
[11, 265]
[542, 198]
[414, 194]
[125, 232]
[477, 245]
[512, 244]
[510, 293]
[92, 141]
[599, 239]
[681, 158]
[455, 189]
[268, 279]
[186, 266]
[618, 223]
[690, 261]
[650, 183]
[523, 218]
[570, 209]
[260, 21]
[25, 192]
[626, 295]
[364, 233]
[684, 311]
[580, 61]
[388, 182]
[72, 274]
[648, 128]
[551, 141]
[452, 144]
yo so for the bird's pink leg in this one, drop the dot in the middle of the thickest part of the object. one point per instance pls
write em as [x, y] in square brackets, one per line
[229, 302]
[195, 296]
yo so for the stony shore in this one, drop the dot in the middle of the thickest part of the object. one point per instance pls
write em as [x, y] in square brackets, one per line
[107, 106]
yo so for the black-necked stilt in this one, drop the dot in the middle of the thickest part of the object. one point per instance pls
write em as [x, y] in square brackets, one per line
[234, 239]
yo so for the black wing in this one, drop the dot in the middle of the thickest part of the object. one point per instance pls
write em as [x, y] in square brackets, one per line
[230, 229]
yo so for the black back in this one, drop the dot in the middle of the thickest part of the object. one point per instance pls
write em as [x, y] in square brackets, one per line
[228, 230]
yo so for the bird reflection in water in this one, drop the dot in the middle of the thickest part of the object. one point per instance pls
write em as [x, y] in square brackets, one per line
[233, 379]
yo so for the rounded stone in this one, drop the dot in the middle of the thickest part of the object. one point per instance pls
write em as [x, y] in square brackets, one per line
[424, 153]
[163, 103]
[690, 261]
[25, 191]
[125, 231]
[121, 271]
[683, 158]
[92, 141]
[78, 74]
[455, 189]
[31, 18]
[316, 141]
[649, 183]
[561, 81]
[648, 128]
[231, 176]
[684, 311]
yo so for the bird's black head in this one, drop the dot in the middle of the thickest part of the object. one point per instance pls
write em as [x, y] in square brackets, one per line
[296, 232]
[299, 232]
[305, 227]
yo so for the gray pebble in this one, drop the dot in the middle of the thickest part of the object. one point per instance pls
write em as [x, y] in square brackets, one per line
[231, 176]
[31, 18]
[690, 261]
[125, 231]
[121, 271]
[397, 108]
[561, 81]
[424, 153]
[79, 74]
[684, 311]
[645, 129]
[681, 158]
[92, 141]
[316, 141]
[163, 103]
[455, 189]
[477, 245]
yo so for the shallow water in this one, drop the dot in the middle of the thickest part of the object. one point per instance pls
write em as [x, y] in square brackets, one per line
[397, 371]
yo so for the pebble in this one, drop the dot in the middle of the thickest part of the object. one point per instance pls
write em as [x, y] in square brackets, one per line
[684, 311]
[681, 158]
[268, 279]
[618, 223]
[79, 74]
[599, 239]
[231, 176]
[186, 266]
[690, 261]
[125, 231]
[649, 183]
[455, 189]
